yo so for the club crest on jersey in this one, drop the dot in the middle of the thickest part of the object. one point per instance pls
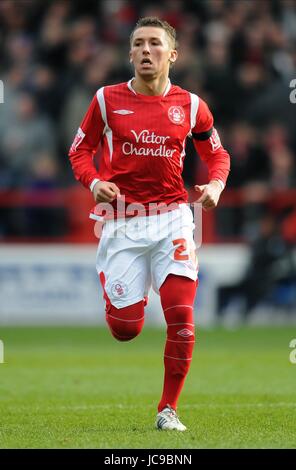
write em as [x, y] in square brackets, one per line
[119, 289]
[78, 139]
[176, 114]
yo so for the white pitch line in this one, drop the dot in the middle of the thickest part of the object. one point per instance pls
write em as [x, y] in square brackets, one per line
[193, 405]
[238, 405]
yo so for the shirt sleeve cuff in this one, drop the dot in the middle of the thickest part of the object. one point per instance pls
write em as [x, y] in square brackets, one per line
[93, 183]
[220, 182]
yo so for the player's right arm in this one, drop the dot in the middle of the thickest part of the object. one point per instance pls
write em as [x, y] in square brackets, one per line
[105, 191]
[83, 150]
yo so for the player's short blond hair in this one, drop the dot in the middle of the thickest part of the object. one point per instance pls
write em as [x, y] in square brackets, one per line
[156, 22]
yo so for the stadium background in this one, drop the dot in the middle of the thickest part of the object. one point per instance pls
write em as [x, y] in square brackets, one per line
[240, 56]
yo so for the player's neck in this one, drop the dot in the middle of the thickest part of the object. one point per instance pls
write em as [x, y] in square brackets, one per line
[154, 87]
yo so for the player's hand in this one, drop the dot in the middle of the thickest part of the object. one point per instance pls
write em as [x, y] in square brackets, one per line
[209, 194]
[105, 191]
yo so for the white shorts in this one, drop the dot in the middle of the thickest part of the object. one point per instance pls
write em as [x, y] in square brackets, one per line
[138, 252]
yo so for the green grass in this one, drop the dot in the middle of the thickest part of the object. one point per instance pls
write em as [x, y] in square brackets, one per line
[79, 388]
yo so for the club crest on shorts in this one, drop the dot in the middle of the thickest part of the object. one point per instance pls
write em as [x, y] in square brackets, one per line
[119, 289]
[176, 114]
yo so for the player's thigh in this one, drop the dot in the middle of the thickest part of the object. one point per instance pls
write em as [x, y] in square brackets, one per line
[175, 254]
[126, 271]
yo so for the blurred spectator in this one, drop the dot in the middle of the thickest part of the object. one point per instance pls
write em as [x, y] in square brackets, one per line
[271, 268]
[288, 18]
[281, 175]
[41, 221]
[118, 19]
[48, 92]
[28, 134]
[43, 172]
[95, 74]
[53, 35]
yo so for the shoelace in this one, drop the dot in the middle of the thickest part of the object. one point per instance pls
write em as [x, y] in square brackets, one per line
[172, 413]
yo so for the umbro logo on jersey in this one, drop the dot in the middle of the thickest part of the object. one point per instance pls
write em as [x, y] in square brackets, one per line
[185, 333]
[123, 111]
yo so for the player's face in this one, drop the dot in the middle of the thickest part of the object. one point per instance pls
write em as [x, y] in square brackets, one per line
[151, 51]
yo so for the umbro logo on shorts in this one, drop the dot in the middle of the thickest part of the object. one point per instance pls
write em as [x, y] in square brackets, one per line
[123, 111]
[185, 333]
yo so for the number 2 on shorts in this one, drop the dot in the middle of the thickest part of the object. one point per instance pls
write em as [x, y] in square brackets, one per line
[181, 244]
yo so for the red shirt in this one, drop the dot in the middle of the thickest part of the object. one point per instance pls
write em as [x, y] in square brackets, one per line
[143, 142]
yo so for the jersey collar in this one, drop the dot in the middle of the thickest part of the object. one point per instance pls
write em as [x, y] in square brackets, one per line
[167, 88]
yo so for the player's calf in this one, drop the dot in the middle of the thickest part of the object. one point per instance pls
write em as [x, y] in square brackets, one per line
[179, 347]
[177, 297]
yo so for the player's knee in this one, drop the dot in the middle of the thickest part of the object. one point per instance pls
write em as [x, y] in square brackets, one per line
[124, 332]
[177, 290]
[126, 323]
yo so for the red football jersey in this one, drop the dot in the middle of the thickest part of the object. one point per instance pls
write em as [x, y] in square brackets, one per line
[143, 142]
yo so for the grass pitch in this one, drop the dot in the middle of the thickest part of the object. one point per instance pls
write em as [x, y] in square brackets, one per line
[79, 388]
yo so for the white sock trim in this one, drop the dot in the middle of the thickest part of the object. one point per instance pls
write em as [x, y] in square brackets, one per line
[178, 358]
[121, 319]
[174, 306]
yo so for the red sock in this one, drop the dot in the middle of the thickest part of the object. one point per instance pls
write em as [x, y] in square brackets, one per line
[177, 297]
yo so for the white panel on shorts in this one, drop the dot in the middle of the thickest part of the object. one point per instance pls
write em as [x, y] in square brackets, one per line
[124, 263]
[133, 253]
[163, 260]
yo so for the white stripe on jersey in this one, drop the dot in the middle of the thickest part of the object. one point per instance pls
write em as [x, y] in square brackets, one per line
[109, 135]
[129, 84]
[101, 101]
[107, 130]
[183, 153]
[167, 89]
[194, 109]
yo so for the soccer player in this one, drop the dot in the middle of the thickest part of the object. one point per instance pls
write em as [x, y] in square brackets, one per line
[140, 128]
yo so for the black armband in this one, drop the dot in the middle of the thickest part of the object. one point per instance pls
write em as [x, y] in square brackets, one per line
[202, 135]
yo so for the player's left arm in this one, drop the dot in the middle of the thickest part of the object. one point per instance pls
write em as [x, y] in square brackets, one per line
[210, 149]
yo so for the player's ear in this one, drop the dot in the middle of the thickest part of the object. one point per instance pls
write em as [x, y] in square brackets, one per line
[130, 58]
[173, 56]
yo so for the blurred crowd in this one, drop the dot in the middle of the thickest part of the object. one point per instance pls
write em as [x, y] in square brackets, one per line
[239, 55]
